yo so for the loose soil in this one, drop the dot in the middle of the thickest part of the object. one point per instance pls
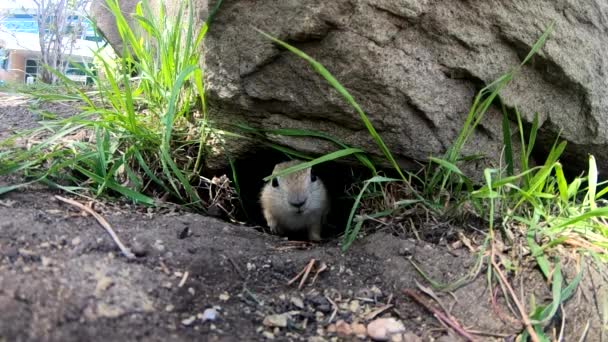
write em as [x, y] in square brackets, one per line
[63, 279]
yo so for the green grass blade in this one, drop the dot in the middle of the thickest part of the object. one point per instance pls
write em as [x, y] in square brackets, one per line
[325, 158]
[592, 180]
[320, 69]
[506, 137]
[539, 43]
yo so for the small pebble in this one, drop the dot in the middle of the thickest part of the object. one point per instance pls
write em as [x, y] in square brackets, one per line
[158, 245]
[76, 241]
[209, 315]
[297, 302]
[275, 321]
[397, 338]
[268, 335]
[359, 330]
[411, 337]
[46, 261]
[224, 296]
[188, 321]
[343, 329]
[382, 329]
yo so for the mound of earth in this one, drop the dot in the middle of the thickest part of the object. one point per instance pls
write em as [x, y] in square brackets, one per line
[62, 278]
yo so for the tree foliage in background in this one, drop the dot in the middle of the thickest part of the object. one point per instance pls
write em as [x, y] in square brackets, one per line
[60, 25]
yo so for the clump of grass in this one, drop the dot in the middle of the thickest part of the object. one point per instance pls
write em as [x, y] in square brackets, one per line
[144, 136]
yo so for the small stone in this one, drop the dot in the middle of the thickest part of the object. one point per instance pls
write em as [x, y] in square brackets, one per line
[103, 283]
[319, 316]
[268, 335]
[317, 339]
[297, 302]
[376, 291]
[169, 308]
[354, 306]
[343, 329]
[209, 315]
[158, 245]
[224, 296]
[46, 261]
[359, 330]
[76, 241]
[382, 329]
[188, 321]
[191, 291]
[411, 337]
[275, 321]
[325, 308]
[250, 266]
[26, 253]
[397, 338]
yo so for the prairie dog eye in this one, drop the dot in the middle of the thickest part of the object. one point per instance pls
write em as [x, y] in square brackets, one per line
[275, 182]
[313, 177]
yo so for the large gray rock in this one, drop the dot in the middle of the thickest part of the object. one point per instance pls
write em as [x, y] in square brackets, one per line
[106, 22]
[415, 67]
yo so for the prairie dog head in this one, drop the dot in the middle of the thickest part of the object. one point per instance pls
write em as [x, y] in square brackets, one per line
[299, 192]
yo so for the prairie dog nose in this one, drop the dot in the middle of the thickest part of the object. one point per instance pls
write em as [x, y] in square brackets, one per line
[298, 204]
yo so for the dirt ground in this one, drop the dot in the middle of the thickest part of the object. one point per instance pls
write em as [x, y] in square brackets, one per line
[198, 278]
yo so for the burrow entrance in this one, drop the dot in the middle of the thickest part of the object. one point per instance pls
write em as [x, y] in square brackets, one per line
[337, 177]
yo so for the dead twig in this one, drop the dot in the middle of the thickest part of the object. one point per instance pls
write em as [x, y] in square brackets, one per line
[184, 278]
[451, 322]
[335, 307]
[289, 245]
[522, 312]
[164, 268]
[322, 268]
[125, 251]
[376, 312]
[304, 274]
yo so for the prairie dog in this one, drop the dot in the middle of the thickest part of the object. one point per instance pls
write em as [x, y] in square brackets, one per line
[295, 202]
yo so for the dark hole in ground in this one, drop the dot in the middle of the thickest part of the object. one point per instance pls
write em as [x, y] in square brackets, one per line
[337, 177]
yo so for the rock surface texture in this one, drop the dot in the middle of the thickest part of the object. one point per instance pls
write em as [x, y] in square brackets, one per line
[415, 67]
